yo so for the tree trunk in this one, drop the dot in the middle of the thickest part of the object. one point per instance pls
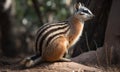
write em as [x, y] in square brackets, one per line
[112, 36]
[7, 44]
[94, 30]
[110, 53]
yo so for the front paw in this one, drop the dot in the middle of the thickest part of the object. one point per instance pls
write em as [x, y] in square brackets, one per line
[27, 63]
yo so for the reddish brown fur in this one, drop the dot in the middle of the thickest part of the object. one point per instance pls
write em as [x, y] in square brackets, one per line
[59, 46]
[76, 29]
[56, 50]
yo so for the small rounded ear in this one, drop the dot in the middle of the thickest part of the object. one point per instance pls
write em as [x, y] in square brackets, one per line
[82, 4]
[77, 6]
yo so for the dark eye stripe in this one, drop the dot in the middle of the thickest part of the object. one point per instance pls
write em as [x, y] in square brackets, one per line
[86, 11]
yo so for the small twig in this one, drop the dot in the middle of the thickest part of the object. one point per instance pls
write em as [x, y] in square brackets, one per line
[95, 44]
[86, 38]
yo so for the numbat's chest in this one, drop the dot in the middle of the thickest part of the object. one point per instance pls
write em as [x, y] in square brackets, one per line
[75, 32]
[74, 37]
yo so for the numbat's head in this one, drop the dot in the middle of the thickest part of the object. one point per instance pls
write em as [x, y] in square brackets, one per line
[82, 12]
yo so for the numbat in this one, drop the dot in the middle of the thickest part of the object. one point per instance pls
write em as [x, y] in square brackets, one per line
[53, 40]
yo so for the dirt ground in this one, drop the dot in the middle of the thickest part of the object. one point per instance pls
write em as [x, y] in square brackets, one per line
[12, 65]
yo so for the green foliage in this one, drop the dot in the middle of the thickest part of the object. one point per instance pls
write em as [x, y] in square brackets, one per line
[25, 10]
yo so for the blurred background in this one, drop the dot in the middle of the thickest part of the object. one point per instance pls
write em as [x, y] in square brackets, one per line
[20, 19]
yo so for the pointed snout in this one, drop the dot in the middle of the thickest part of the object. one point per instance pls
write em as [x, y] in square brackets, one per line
[92, 16]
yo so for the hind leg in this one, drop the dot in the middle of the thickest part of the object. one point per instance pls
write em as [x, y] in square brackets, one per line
[56, 50]
[31, 61]
[64, 44]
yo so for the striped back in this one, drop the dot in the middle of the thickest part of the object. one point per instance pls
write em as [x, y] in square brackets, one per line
[48, 33]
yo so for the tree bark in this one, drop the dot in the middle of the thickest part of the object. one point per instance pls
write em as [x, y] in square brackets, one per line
[7, 44]
[94, 30]
[112, 36]
[109, 54]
